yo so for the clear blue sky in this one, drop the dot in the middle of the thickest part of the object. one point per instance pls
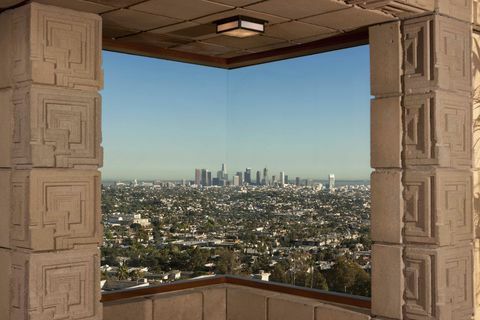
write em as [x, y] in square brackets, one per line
[307, 116]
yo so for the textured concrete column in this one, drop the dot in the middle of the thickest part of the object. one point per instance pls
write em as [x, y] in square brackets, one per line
[422, 197]
[476, 162]
[50, 74]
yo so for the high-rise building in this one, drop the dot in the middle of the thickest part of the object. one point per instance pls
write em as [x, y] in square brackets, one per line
[236, 180]
[248, 175]
[274, 179]
[240, 177]
[331, 181]
[224, 171]
[297, 181]
[220, 175]
[286, 179]
[203, 180]
[265, 176]
[259, 179]
[198, 176]
[209, 178]
[282, 178]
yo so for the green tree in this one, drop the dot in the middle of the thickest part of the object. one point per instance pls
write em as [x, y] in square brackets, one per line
[122, 272]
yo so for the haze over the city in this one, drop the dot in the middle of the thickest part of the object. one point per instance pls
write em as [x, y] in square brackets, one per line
[307, 116]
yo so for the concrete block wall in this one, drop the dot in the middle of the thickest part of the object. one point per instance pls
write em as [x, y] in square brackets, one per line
[50, 152]
[228, 302]
[423, 215]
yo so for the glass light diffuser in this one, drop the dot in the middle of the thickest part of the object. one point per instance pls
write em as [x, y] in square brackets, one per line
[240, 26]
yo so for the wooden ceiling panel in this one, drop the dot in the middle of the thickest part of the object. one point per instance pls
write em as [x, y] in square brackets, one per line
[79, 5]
[296, 30]
[136, 20]
[113, 32]
[236, 3]
[181, 9]
[115, 3]
[349, 19]
[154, 40]
[9, 3]
[183, 30]
[271, 19]
[203, 48]
[244, 43]
[298, 8]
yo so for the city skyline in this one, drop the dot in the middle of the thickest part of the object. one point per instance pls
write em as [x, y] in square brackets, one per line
[291, 115]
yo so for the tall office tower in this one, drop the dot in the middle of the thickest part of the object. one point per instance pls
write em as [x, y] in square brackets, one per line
[286, 179]
[307, 182]
[224, 170]
[220, 175]
[203, 180]
[215, 182]
[259, 180]
[209, 178]
[198, 177]
[282, 178]
[297, 181]
[248, 175]
[236, 180]
[274, 180]
[240, 177]
[265, 176]
[331, 181]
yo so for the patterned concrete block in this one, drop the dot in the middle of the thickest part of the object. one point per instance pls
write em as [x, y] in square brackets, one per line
[55, 209]
[439, 283]
[50, 285]
[437, 54]
[56, 127]
[63, 48]
[437, 130]
[438, 207]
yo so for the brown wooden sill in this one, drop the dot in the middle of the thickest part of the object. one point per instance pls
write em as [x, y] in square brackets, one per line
[356, 301]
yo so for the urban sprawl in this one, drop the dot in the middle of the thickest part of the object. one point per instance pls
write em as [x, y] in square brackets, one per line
[295, 231]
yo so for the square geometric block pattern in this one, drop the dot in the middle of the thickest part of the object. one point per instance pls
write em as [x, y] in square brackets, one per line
[55, 209]
[56, 285]
[437, 130]
[437, 54]
[62, 48]
[438, 207]
[56, 127]
[438, 283]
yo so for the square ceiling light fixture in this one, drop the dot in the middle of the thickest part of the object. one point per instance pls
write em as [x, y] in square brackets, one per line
[240, 26]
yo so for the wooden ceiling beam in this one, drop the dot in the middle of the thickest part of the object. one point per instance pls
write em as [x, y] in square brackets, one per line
[345, 40]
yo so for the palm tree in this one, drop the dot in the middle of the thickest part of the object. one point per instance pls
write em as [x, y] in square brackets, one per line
[122, 272]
